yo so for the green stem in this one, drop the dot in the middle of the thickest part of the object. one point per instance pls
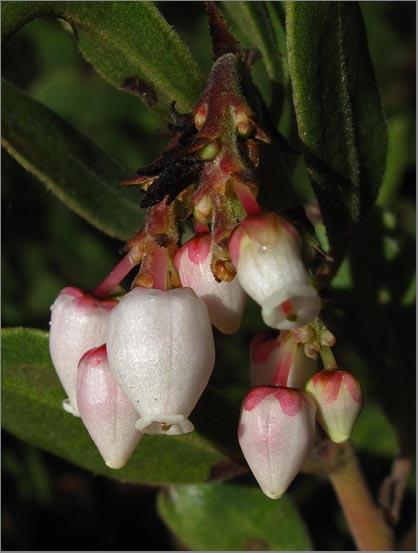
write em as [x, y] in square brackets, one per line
[364, 518]
[328, 358]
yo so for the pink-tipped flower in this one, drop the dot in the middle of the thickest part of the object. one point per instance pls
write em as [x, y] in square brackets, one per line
[78, 323]
[266, 252]
[276, 434]
[279, 361]
[225, 300]
[161, 352]
[337, 394]
[105, 410]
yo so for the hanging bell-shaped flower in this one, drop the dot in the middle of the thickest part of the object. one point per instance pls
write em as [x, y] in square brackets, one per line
[161, 352]
[78, 323]
[225, 300]
[279, 361]
[266, 252]
[337, 394]
[276, 434]
[105, 410]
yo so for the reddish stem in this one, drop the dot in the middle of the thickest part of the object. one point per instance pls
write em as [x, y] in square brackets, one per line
[117, 274]
[281, 375]
[246, 198]
[200, 228]
[159, 268]
[365, 519]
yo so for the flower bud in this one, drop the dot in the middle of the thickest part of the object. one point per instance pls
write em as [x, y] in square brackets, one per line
[266, 252]
[161, 352]
[225, 300]
[78, 323]
[276, 434]
[338, 397]
[105, 410]
[279, 361]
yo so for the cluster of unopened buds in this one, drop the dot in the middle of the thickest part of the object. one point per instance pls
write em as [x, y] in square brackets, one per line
[137, 362]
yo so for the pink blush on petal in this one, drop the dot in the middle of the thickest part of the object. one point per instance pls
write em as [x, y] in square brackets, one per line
[352, 386]
[290, 401]
[72, 291]
[89, 302]
[95, 355]
[329, 381]
[257, 395]
[198, 249]
[234, 245]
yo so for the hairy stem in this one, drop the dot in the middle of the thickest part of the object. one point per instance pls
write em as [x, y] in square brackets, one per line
[365, 520]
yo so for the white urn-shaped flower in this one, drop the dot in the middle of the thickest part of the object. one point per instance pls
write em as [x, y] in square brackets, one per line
[266, 252]
[337, 394]
[161, 351]
[105, 410]
[225, 300]
[276, 433]
[78, 323]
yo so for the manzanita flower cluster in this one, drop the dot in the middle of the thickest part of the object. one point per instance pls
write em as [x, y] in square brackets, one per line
[135, 362]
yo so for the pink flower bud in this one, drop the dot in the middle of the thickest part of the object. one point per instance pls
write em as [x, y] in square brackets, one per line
[338, 397]
[225, 300]
[279, 361]
[266, 252]
[161, 352]
[276, 434]
[105, 410]
[78, 323]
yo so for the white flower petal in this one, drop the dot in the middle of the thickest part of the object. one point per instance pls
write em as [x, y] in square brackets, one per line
[161, 352]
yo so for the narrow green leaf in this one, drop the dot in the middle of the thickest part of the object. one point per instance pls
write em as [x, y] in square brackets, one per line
[253, 19]
[338, 110]
[227, 517]
[76, 170]
[400, 135]
[129, 43]
[32, 410]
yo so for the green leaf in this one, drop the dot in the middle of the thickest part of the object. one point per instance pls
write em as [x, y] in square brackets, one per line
[78, 172]
[129, 43]
[400, 135]
[373, 433]
[228, 517]
[32, 410]
[338, 110]
[253, 19]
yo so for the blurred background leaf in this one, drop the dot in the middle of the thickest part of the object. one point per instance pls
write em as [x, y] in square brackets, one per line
[232, 517]
[376, 316]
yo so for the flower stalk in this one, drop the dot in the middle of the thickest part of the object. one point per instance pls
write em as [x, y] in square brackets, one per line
[365, 519]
